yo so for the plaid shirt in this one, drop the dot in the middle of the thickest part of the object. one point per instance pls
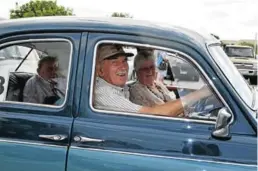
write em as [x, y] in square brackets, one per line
[110, 97]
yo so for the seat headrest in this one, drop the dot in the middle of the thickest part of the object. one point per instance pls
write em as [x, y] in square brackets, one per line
[16, 84]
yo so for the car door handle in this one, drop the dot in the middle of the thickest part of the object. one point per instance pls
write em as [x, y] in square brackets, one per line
[86, 139]
[55, 137]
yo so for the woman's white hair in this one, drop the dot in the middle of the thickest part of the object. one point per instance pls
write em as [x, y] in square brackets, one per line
[142, 56]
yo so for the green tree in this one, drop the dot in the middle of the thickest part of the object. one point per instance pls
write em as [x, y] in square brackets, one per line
[37, 8]
[120, 14]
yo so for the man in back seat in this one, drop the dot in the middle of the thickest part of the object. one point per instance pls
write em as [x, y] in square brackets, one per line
[41, 86]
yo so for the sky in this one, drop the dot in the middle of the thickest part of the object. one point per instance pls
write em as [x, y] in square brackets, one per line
[229, 19]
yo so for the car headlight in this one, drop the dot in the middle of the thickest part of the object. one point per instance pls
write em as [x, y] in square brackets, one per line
[255, 66]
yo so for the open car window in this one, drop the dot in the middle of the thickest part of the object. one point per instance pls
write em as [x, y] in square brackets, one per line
[180, 77]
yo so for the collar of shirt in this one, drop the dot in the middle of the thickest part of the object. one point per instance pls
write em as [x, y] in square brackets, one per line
[43, 81]
[102, 82]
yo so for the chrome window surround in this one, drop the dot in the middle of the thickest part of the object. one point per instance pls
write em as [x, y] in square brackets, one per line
[69, 68]
[146, 115]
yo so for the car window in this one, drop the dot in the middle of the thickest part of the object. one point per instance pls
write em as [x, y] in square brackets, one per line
[233, 75]
[143, 82]
[239, 52]
[35, 72]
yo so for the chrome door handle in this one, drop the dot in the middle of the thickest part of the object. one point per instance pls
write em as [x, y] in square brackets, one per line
[55, 137]
[86, 139]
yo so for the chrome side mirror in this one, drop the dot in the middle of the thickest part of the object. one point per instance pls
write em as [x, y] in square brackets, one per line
[222, 126]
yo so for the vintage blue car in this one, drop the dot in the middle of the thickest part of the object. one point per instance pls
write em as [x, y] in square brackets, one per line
[71, 134]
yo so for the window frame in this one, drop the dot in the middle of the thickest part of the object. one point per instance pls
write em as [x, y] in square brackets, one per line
[16, 42]
[189, 59]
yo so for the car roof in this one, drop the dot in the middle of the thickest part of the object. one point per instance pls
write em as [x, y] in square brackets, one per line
[107, 24]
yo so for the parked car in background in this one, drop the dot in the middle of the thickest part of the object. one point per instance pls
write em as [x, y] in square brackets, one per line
[180, 70]
[75, 135]
[244, 59]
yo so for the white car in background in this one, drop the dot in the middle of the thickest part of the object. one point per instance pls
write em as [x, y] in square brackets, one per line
[12, 59]
[130, 61]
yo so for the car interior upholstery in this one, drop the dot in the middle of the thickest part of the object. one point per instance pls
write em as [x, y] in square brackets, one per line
[17, 81]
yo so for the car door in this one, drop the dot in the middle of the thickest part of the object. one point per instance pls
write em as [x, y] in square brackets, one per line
[36, 136]
[108, 140]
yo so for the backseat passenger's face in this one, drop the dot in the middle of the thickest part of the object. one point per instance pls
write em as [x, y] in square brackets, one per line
[48, 70]
[115, 71]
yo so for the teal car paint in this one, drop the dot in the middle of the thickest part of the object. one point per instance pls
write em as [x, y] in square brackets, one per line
[77, 137]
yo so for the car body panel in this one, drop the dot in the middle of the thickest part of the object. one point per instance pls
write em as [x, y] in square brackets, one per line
[108, 160]
[21, 146]
[127, 136]
[113, 25]
[23, 126]
[30, 156]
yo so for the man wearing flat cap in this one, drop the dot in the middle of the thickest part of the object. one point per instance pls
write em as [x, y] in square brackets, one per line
[111, 92]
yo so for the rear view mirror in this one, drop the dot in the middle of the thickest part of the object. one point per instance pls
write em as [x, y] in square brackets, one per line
[222, 127]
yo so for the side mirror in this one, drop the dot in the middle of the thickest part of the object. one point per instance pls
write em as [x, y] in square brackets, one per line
[222, 126]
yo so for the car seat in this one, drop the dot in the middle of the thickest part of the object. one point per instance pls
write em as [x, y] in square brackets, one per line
[16, 84]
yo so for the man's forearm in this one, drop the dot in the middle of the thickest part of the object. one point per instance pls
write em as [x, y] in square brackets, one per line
[176, 107]
[172, 108]
[195, 96]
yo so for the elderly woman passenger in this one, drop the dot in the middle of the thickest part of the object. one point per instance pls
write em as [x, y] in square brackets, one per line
[146, 91]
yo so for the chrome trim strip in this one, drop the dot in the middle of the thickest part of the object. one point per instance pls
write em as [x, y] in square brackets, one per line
[241, 64]
[159, 156]
[69, 68]
[247, 70]
[146, 115]
[31, 143]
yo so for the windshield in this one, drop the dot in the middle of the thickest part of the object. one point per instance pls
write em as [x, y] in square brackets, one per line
[239, 52]
[232, 74]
